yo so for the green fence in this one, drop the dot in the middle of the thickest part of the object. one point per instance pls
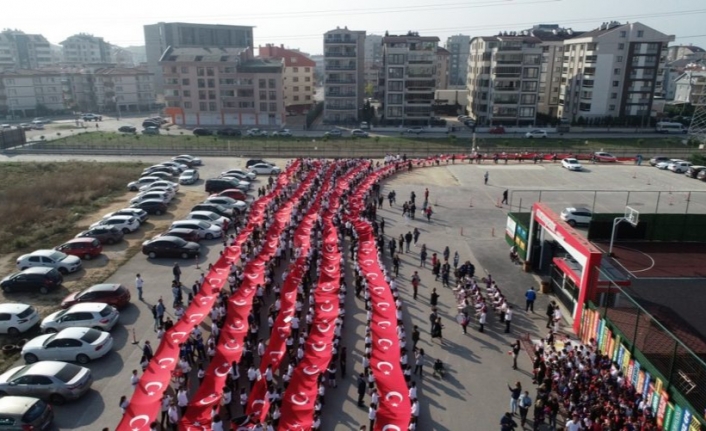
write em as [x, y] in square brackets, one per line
[652, 227]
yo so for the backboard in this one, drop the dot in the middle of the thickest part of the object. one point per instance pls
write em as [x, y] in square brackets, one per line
[632, 216]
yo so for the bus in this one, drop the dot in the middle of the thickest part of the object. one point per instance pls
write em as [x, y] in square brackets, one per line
[666, 127]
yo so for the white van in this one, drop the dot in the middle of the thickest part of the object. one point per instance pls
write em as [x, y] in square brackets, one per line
[666, 127]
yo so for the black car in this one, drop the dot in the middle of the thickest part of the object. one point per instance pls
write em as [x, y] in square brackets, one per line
[202, 132]
[149, 123]
[254, 162]
[104, 234]
[189, 235]
[127, 129]
[170, 246]
[41, 278]
[217, 185]
[215, 208]
[151, 206]
[229, 132]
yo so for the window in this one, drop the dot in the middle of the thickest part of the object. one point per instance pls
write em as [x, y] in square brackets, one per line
[209, 71]
[623, 33]
[619, 59]
[295, 79]
[201, 83]
[187, 105]
[307, 79]
[395, 58]
[616, 83]
[262, 83]
[394, 99]
[184, 69]
[394, 85]
[263, 106]
[273, 95]
[296, 98]
[621, 46]
[263, 94]
[211, 94]
[212, 106]
[395, 72]
[616, 71]
[307, 97]
[530, 72]
[526, 112]
[528, 99]
[271, 83]
[613, 95]
[203, 106]
[295, 69]
[211, 83]
[640, 33]
[187, 93]
[307, 69]
[202, 94]
[529, 86]
[295, 88]
[273, 107]
[200, 71]
[307, 88]
[185, 81]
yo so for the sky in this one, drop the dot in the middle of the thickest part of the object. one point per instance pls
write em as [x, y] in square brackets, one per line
[301, 24]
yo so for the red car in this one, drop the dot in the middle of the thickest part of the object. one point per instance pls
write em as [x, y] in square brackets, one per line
[497, 130]
[602, 156]
[113, 294]
[85, 248]
[234, 194]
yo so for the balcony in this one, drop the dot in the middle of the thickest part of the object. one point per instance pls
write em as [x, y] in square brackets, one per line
[507, 75]
[339, 67]
[349, 107]
[639, 89]
[501, 62]
[335, 40]
[420, 61]
[507, 89]
[339, 81]
[338, 94]
[418, 102]
[419, 75]
[505, 101]
[345, 54]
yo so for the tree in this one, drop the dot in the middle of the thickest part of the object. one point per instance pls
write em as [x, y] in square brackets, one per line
[369, 89]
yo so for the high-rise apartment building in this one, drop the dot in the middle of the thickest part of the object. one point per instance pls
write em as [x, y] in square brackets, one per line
[409, 79]
[86, 49]
[443, 57]
[459, 47]
[373, 64]
[344, 77]
[160, 36]
[503, 79]
[23, 51]
[613, 71]
[297, 76]
[222, 86]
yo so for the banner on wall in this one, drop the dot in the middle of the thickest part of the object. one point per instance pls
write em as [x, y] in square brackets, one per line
[510, 227]
[655, 398]
[521, 239]
[677, 419]
[635, 373]
[640, 382]
[686, 420]
[662, 408]
[668, 416]
[626, 361]
[646, 387]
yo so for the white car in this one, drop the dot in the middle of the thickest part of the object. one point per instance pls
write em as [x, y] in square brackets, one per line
[571, 164]
[139, 214]
[536, 133]
[125, 223]
[210, 217]
[16, 319]
[161, 196]
[173, 170]
[63, 262]
[265, 169]
[665, 164]
[135, 185]
[256, 132]
[71, 344]
[179, 166]
[85, 314]
[205, 229]
[194, 160]
[161, 183]
[189, 176]
[242, 185]
[679, 167]
[250, 176]
[282, 133]
[227, 202]
[575, 216]
[165, 189]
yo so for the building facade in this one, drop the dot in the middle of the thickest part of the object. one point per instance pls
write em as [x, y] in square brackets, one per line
[222, 86]
[86, 49]
[613, 71]
[23, 51]
[459, 47]
[691, 52]
[27, 92]
[443, 57]
[503, 79]
[344, 75]
[373, 65]
[160, 36]
[690, 87]
[297, 76]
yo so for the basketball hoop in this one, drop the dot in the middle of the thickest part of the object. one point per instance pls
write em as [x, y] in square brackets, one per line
[631, 216]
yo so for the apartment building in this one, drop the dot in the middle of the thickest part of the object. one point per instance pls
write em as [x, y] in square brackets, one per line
[160, 36]
[459, 47]
[23, 51]
[443, 57]
[121, 57]
[690, 87]
[344, 74]
[86, 49]
[297, 76]
[373, 65]
[677, 52]
[503, 79]
[613, 71]
[222, 86]
[409, 79]
[25, 92]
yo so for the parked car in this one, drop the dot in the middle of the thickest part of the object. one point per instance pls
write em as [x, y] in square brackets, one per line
[576, 216]
[256, 133]
[365, 125]
[91, 117]
[41, 120]
[358, 133]
[151, 123]
[416, 130]
[189, 176]
[254, 162]
[81, 345]
[217, 185]
[54, 381]
[701, 175]
[571, 164]
[104, 234]
[150, 131]
[157, 120]
[163, 176]
[160, 168]
[127, 129]
[658, 159]
[85, 248]
[152, 206]
[234, 194]
[694, 170]
[202, 132]
[195, 161]
[178, 166]
[497, 130]
[96, 315]
[62, 262]
[161, 184]
[140, 215]
[334, 133]
[679, 167]
[664, 165]
[18, 413]
[265, 169]
[40, 278]
[215, 208]
[170, 246]
[164, 189]
[113, 294]
[16, 319]
[205, 229]
[248, 176]
[210, 217]
[190, 235]
[25, 126]
[135, 185]
[228, 132]
[160, 196]
[234, 204]
[126, 223]
[462, 118]
[602, 156]
[536, 133]
[238, 183]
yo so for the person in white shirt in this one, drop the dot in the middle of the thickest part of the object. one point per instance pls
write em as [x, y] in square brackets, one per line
[573, 424]
[217, 424]
[134, 379]
[173, 415]
[182, 400]
[415, 408]
[372, 412]
[413, 390]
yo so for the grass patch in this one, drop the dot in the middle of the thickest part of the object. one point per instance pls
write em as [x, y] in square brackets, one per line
[41, 202]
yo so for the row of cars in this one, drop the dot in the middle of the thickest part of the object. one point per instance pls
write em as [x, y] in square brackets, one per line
[679, 166]
[252, 133]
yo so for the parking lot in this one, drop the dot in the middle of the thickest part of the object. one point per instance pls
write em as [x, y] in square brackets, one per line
[467, 218]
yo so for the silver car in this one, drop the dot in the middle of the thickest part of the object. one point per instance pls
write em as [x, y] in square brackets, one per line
[54, 381]
[96, 315]
[24, 413]
[71, 344]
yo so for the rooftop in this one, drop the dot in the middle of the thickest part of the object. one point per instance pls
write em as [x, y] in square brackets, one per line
[205, 54]
[260, 65]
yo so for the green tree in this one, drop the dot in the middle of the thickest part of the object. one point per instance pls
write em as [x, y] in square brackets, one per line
[369, 89]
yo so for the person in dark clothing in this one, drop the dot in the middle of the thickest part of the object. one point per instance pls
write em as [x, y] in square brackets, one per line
[507, 423]
[530, 296]
[550, 314]
[434, 298]
[415, 337]
[504, 201]
[408, 240]
[176, 270]
[515, 352]
[361, 389]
